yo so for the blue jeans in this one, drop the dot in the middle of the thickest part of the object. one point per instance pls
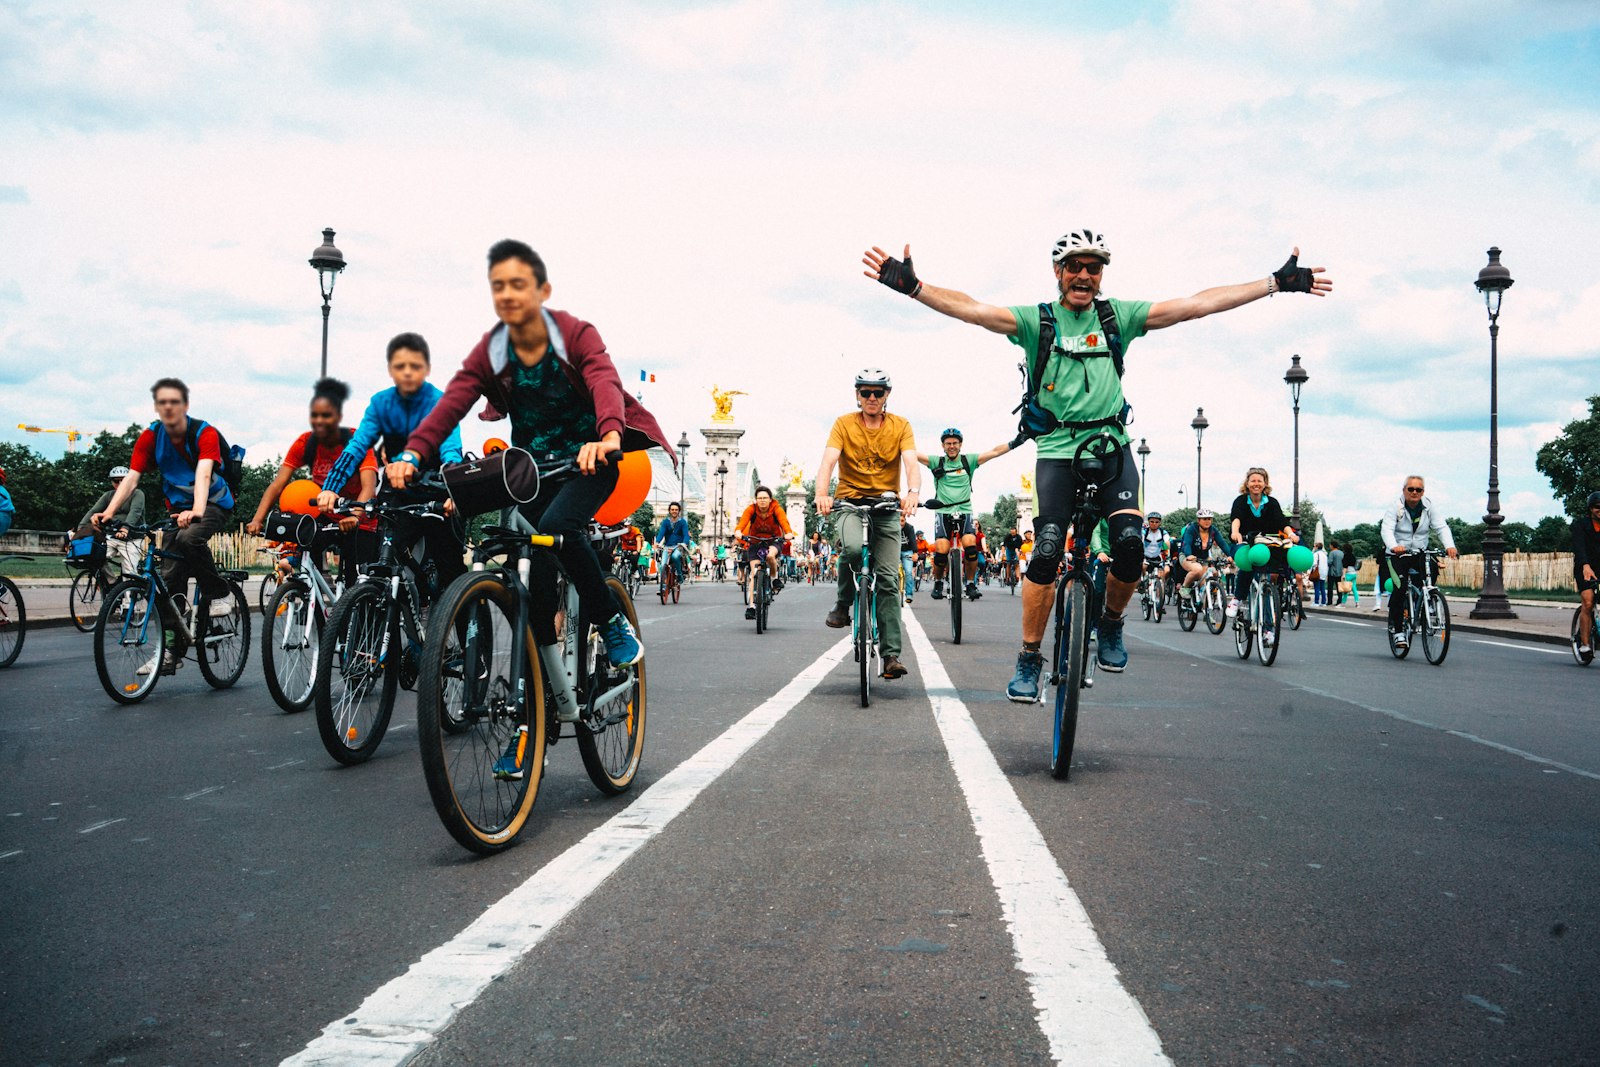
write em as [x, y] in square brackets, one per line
[908, 564]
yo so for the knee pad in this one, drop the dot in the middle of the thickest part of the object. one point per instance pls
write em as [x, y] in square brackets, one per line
[971, 552]
[1047, 546]
[1127, 550]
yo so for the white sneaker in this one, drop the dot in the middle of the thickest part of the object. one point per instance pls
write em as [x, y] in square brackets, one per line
[1584, 650]
[220, 609]
[167, 662]
[1268, 639]
[1233, 608]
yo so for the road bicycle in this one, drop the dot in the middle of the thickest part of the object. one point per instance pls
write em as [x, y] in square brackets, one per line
[291, 637]
[1425, 614]
[953, 525]
[864, 614]
[1257, 622]
[493, 690]
[13, 616]
[761, 583]
[1153, 593]
[1097, 462]
[372, 643]
[1583, 658]
[131, 636]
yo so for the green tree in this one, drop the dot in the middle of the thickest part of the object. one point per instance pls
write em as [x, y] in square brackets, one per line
[645, 519]
[1005, 515]
[1572, 460]
[1175, 520]
[1364, 539]
[696, 522]
[1468, 535]
[1518, 535]
[1553, 534]
[1310, 515]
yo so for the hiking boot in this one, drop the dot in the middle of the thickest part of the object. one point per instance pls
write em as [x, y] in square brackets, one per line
[622, 644]
[893, 668]
[1024, 685]
[838, 618]
[1111, 653]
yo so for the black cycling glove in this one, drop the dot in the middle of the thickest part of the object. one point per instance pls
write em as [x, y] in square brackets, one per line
[899, 276]
[1293, 278]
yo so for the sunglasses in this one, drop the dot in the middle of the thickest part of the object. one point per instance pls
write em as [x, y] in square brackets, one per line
[1413, 488]
[1092, 267]
[872, 394]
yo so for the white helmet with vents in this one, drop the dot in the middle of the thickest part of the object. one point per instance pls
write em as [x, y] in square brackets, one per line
[1081, 243]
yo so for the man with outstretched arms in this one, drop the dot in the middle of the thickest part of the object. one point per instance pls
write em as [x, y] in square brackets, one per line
[952, 506]
[870, 448]
[1080, 391]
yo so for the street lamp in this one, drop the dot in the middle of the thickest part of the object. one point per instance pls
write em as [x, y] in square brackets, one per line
[1144, 453]
[1493, 281]
[328, 261]
[722, 475]
[1296, 377]
[1183, 491]
[683, 462]
[1198, 424]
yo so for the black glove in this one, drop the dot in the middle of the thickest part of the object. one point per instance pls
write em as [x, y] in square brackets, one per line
[900, 277]
[1293, 278]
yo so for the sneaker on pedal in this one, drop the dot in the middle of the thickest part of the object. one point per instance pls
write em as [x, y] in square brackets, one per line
[622, 644]
[1269, 638]
[1109, 650]
[1233, 608]
[972, 591]
[220, 608]
[506, 768]
[750, 612]
[166, 663]
[1024, 685]
[1398, 639]
[938, 589]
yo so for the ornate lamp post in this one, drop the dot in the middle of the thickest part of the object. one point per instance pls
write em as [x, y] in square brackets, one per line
[1493, 281]
[328, 261]
[683, 460]
[1296, 376]
[1198, 424]
[1144, 454]
[722, 476]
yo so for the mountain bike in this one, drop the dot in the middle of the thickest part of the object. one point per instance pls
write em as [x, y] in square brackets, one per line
[491, 691]
[1426, 613]
[130, 635]
[291, 638]
[13, 616]
[1153, 593]
[1097, 461]
[1583, 658]
[372, 643]
[1261, 609]
[864, 616]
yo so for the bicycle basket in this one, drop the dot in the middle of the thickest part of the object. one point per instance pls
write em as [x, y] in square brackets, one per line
[290, 528]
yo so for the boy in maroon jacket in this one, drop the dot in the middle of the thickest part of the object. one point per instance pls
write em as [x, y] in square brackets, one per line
[550, 372]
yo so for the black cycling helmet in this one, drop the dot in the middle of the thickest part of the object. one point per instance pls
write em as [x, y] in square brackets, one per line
[951, 431]
[1594, 498]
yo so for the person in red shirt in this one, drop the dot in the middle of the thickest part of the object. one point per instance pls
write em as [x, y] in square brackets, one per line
[318, 449]
[762, 520]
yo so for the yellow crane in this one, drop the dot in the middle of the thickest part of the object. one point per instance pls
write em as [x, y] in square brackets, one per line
[72, 432]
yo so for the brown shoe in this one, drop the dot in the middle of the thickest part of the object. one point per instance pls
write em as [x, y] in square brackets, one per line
[838, 618]
[893, 668]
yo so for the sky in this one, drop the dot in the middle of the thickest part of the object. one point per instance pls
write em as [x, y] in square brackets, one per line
[703, 178]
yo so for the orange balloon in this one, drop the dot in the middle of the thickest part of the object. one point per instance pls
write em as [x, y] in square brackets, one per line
[493, 445]
[300, 496]
[633, 485]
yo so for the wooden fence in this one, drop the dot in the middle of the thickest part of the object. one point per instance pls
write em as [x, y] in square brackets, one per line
[1523, 570]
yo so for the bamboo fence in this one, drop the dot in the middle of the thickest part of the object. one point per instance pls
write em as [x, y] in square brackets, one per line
[1549, 571]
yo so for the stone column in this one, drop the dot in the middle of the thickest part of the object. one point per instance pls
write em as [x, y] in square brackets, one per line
[1025, 504]
[796, 494]
[722, 446]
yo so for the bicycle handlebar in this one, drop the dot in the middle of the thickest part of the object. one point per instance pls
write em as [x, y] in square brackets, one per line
[1099, 450]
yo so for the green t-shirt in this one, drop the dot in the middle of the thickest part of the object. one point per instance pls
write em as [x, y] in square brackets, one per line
[952, 482]
[1079, 390]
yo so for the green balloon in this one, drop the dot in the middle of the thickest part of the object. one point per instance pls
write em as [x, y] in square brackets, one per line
[1241, 557]
[1388, 585]
[1301, 558]
[1260, 555]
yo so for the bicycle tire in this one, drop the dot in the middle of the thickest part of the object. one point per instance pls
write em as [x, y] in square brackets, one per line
[1243, 638]
[1215, 616]
[269, 588]
[612, 751]
[230, 644]
[291, 638]
[1577, 620]
[83, 600]
[1071, 653]
[1270, 608]
[1297, 609]
[863, 637]
[958, 589]
[763, 599]
[125, 606]
[1188, 617]
[1435, 640]
[13, 622]
[1160, 599]
[355, 689]
[460, 741]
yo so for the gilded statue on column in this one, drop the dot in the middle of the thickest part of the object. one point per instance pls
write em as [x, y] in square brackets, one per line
[723, 401]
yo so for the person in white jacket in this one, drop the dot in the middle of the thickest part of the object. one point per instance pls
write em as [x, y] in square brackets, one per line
[1407, 528]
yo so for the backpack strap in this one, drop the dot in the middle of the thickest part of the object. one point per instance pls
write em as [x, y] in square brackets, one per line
[1047, 341]
[1108, 323]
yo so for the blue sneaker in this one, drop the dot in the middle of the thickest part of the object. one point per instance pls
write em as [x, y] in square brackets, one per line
[507, 768]
[622, 644]
[1024, 685]
[1112, 654]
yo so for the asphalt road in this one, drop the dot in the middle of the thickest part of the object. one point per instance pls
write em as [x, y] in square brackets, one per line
[1341, 859]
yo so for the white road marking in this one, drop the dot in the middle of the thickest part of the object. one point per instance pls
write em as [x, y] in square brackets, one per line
[402, 1017]
[100, 825]
[1347, 622]
[1524, 648]
[201, 792]
[285, 763]
[8, 855]
[1083, 1010]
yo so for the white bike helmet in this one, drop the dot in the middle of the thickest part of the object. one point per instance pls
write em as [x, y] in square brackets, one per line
[119, 473]
[874, 376]
[1081, 243]
[1204, 513]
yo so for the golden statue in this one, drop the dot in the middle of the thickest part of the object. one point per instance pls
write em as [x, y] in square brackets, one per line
[796, 476]
[1027, 484]
[723, 399]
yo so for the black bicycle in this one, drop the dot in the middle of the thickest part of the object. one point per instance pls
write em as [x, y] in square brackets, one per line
[1426, 614]
[761, 583]
[13, 616]
[1097, 462]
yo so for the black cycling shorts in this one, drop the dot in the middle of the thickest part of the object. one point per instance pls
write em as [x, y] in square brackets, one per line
[1056, 482]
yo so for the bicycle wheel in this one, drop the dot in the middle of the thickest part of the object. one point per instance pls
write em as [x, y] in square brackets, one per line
[611, 738]
[1243, 636]
[1215, 616]
[1268, 613]
[222, 647]
[1159, 595]
[863, 636]
[13, 621]
[957, 590]
[83, 600]
[268, 590]
[677, 583]
[1435, 627]
[290, 641]
[1188, 612]
[468, 715]
[1296, 607]
[1071, 652]
[128, 638]
[763, 599]
[1577, 620]
[355, 688]
[1144, 599]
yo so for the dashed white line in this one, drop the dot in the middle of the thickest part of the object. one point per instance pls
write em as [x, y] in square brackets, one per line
[101, 825]
[285, 763]
[8, 855]
[1523, 648]
[201, 792]
[1084, 1011]
[1347, 622]
[397, 1021]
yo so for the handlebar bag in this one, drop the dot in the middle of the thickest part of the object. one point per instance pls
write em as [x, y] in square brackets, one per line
[501, 480]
